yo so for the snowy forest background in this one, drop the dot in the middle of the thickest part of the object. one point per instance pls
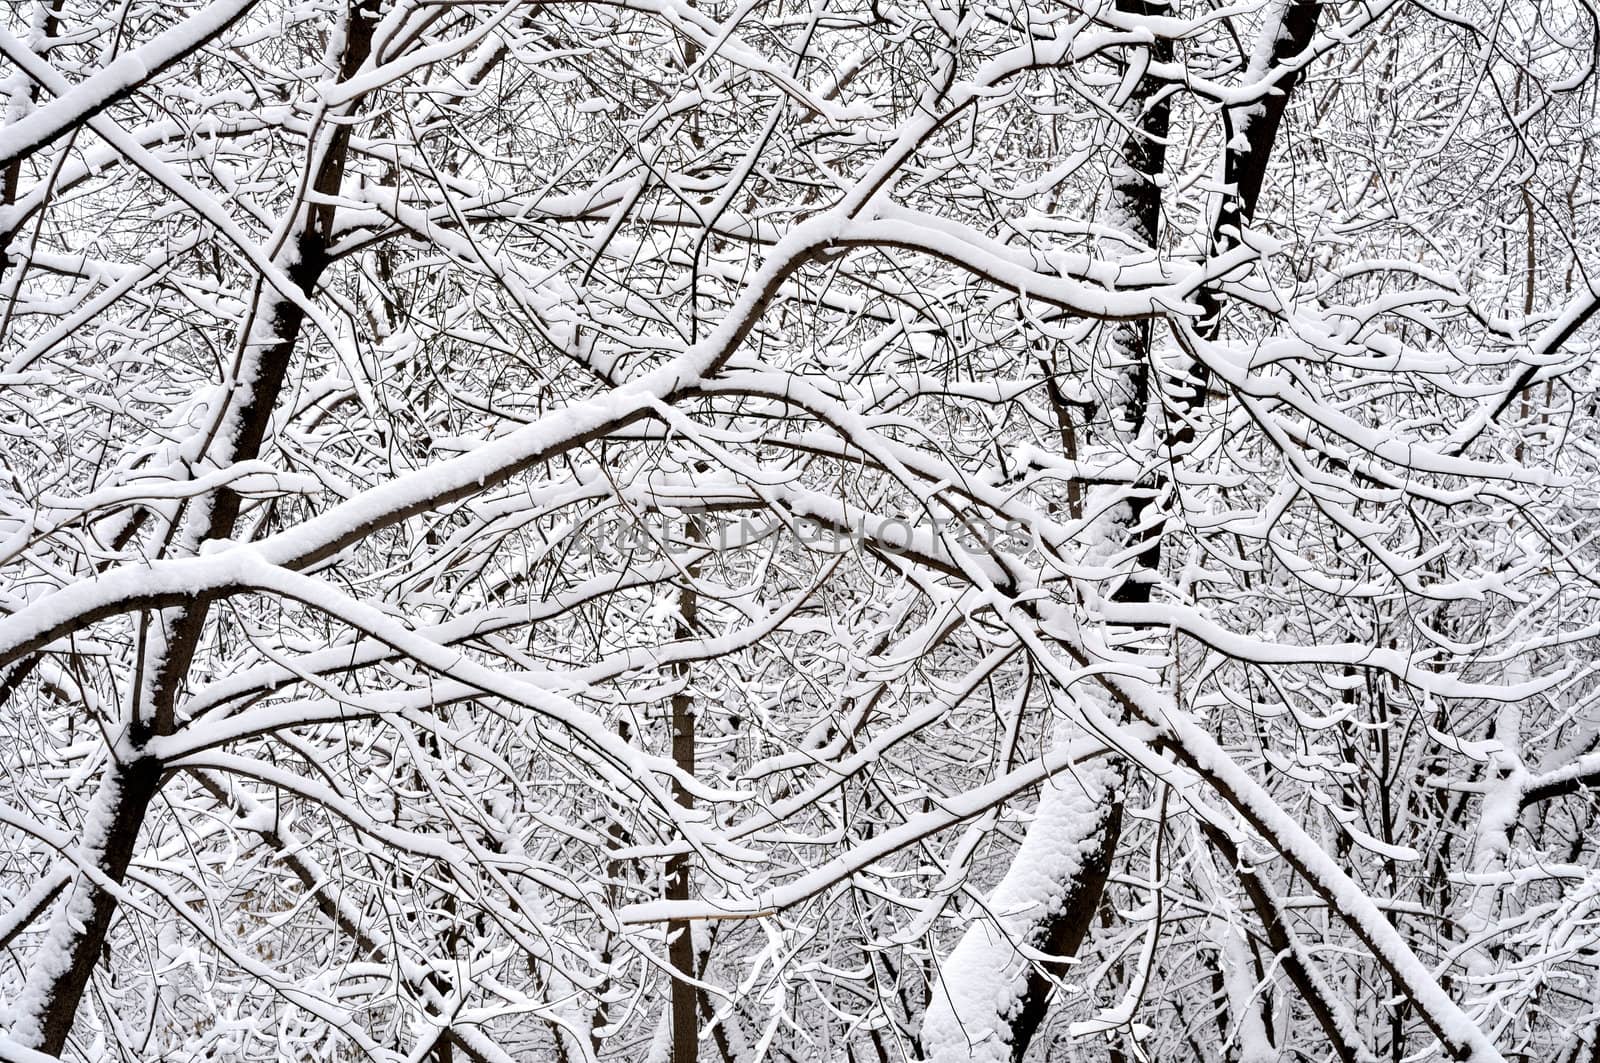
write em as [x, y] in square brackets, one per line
[821, 531]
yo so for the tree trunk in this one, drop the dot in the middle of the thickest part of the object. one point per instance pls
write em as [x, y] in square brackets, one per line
[681, 951]
[1070, 844]
[991, 998]
[57, 980]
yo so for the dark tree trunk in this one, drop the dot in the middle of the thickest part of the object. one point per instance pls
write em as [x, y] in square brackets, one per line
[681, 950]
[1135, 208]
[56, 986]
[1063, 935]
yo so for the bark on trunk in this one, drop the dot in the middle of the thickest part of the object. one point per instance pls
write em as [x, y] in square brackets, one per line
[1066, 911]
[681, 950]
[56, 983]
[60, 968]
[1252, 131]
[991, 998]
[1063, 935]
[1135, 208]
